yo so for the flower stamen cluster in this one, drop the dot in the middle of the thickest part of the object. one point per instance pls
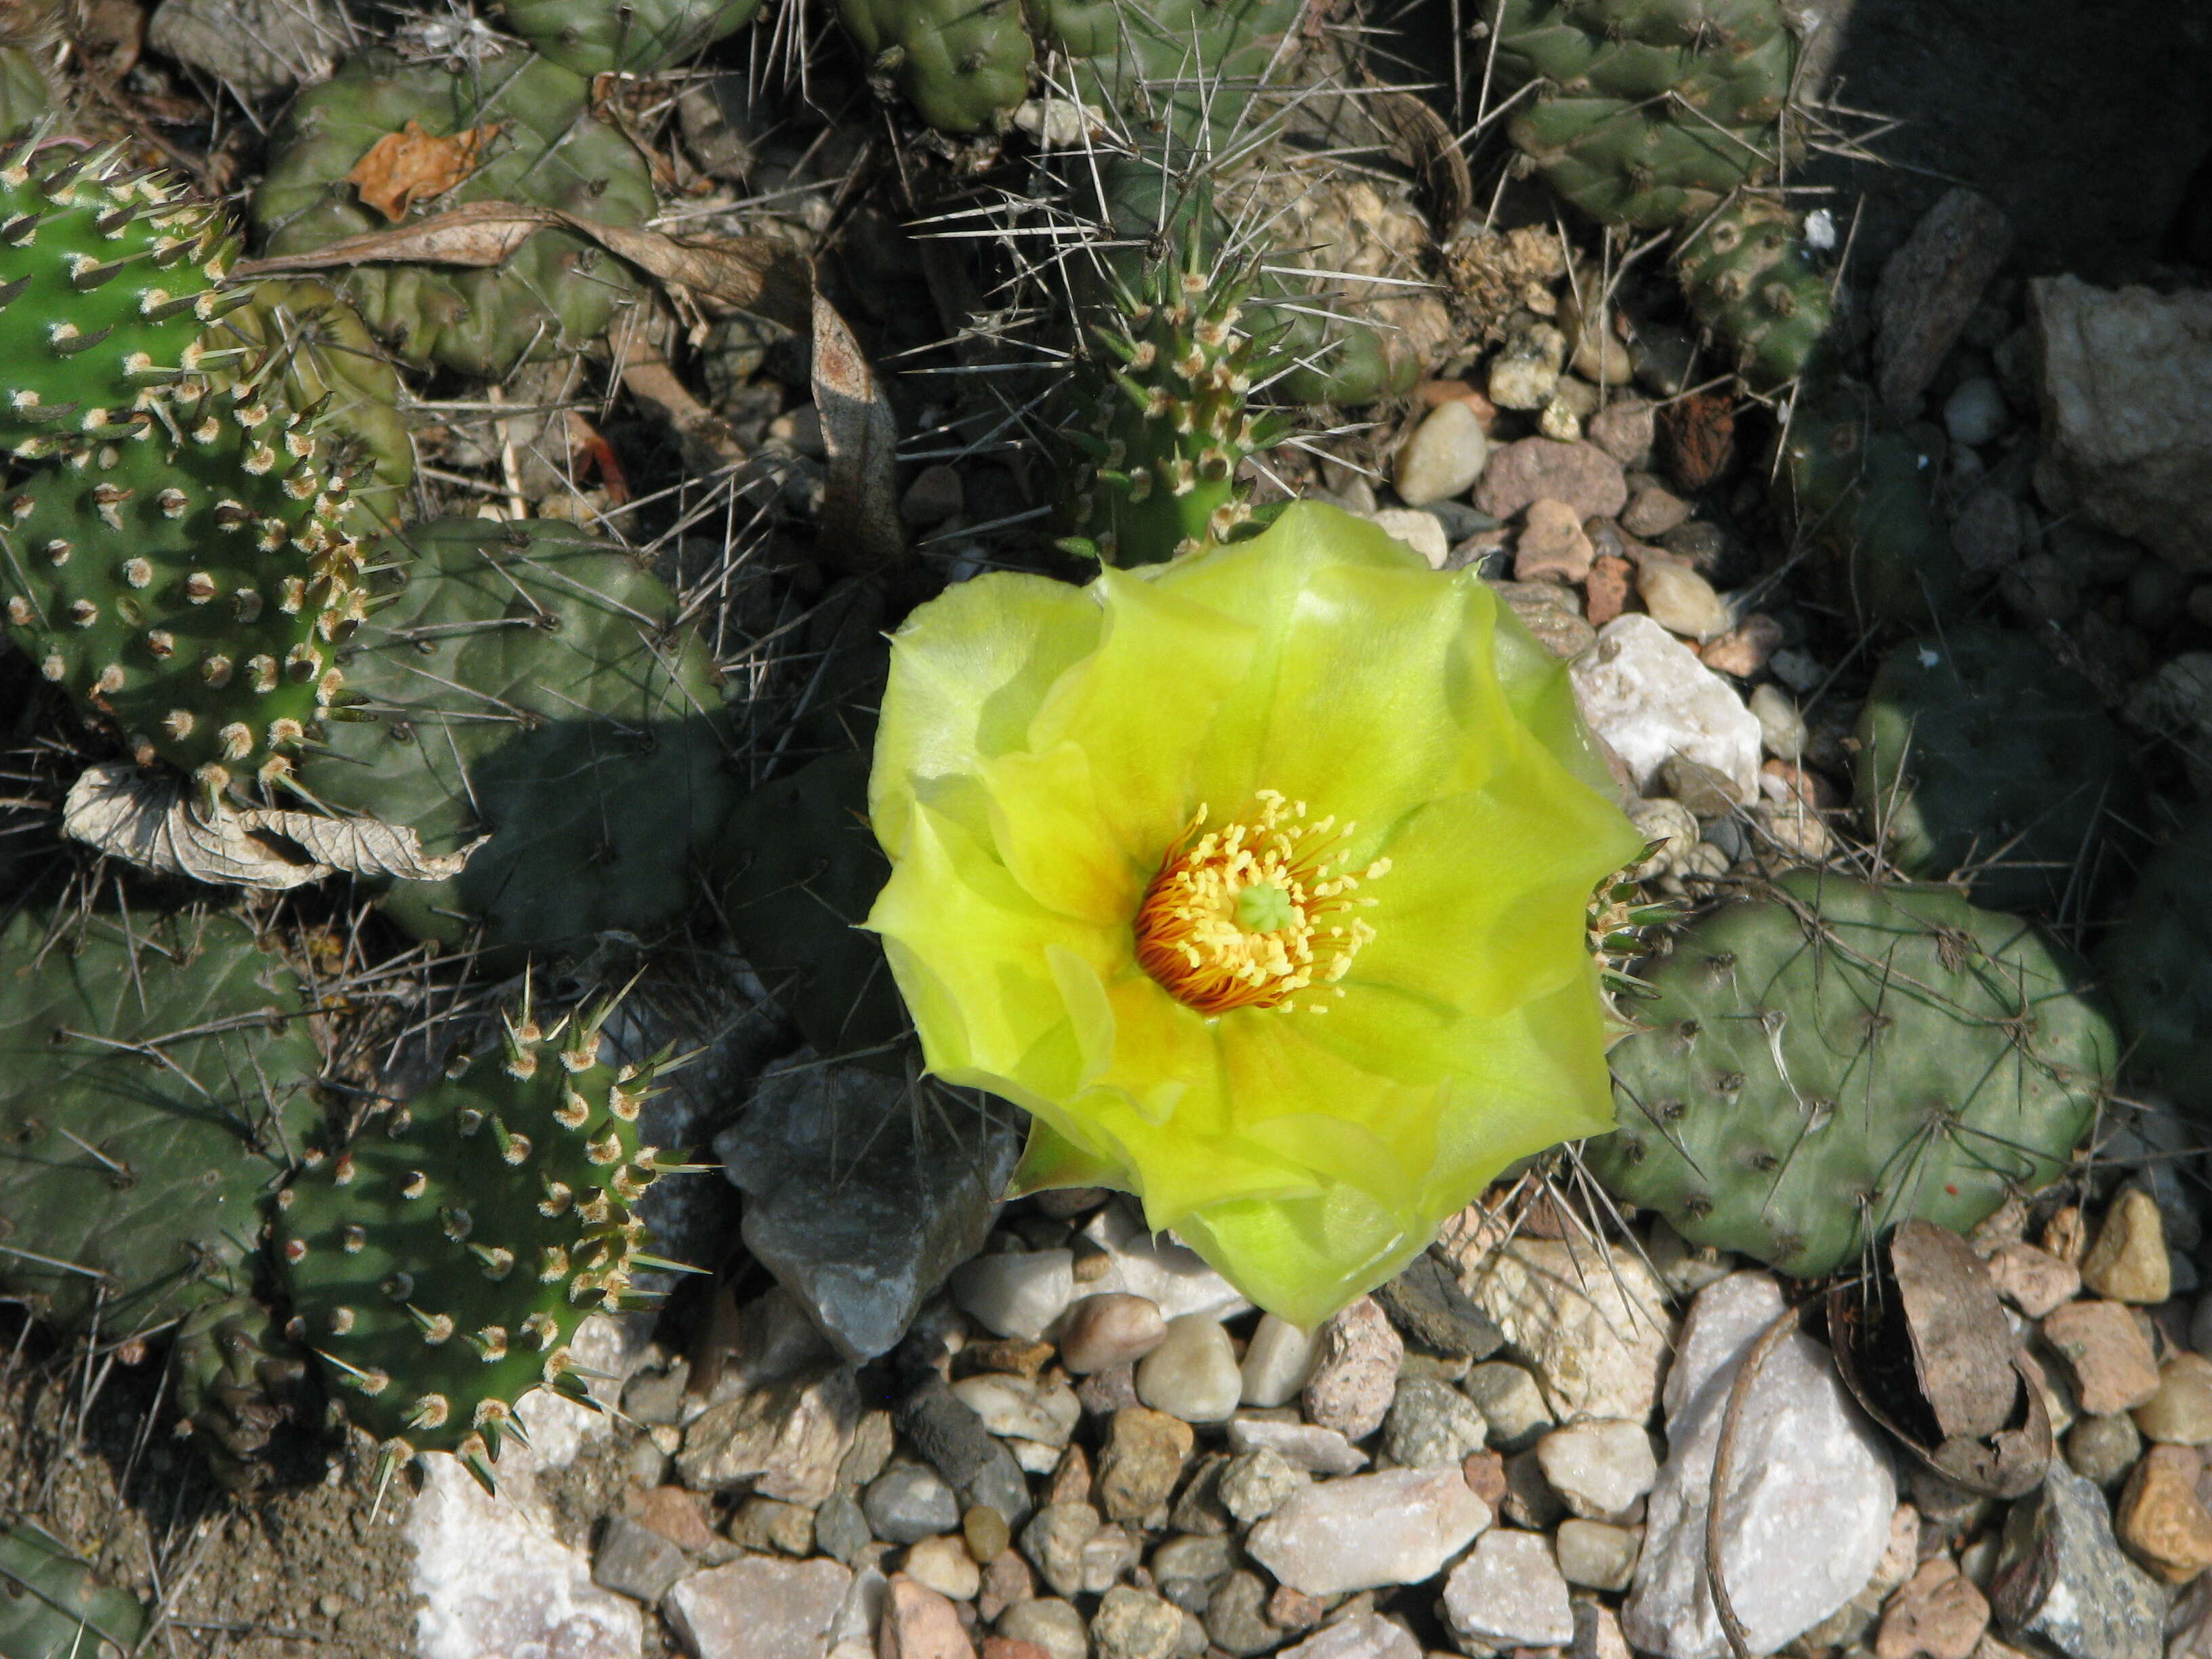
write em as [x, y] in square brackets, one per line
[1251, 915]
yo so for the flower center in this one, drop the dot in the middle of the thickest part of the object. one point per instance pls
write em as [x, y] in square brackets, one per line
[1249, 914]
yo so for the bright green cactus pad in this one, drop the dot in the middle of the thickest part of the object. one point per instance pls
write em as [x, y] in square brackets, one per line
[190, 588]
[625, 37]
[155, 1082]
[1816, 1065]
[328, 361]
[439, 1264]
[1981, 755]
[1752, 284]
[2159, 974]
[554, 294]
[108, 277]
[532, 680]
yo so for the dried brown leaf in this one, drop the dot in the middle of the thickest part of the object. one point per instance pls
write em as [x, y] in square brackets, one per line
[861, 530]
[753, 274]
[411, 165]
[147, 819]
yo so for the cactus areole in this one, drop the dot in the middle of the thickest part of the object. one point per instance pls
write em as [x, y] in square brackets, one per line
[1259, 878]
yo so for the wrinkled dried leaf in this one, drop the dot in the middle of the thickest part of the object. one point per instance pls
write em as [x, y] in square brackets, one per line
[411, 165]
[1961, 1345]
[754, 274]
[146, 818]
[860, 529]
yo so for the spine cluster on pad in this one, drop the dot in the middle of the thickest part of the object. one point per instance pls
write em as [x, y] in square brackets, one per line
[439, 1264]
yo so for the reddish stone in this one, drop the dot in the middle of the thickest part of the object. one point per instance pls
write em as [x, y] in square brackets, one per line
[920, 1623]
[1744, 649]
[673, 1512]
[1697, 438]
[1485, 1476]
[1606, 589]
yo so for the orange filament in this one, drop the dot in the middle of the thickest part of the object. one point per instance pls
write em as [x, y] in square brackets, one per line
[1251, 915]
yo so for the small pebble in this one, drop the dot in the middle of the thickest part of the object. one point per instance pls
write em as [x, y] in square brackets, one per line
[1255, 1484]
[1527, 369]
[908, 1503]
[2180, 1413]
[1937, 1613]
[984, 1529]
[1653, 511]
[1422, 532]
[1355, 1371]
[1511, 1403]
[1594, 1555]
[1192, 1373]
[1431, 1425]
[1133, 1623]
[1445, 456]
[1051, 1624]
[2128, 1261]
[1976, 412]
[2159, 1518]
[1557, 420]
[1317, 1450]
[2032, 1280]
[1019, 1294]
[1624, 429]
[1681, 600]
[1277, 1362]
[1142, 1460]
[1598, 1468]
[2104, 1448]
[1551, 546]
[1781, 727]
[1508, 1592]
[945, 1564]
[1111, 1329]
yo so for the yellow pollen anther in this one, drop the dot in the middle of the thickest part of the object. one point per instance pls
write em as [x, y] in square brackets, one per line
[1251, 915]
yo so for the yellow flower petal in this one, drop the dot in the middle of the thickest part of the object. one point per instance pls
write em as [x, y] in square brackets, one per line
[969, 671]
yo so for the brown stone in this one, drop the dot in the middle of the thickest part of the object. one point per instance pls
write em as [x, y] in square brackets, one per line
[1936, 1614]
[1606, 588]
[1071, 1478]
[1485, 1477]
[2034, 1281]
[1006, 1647]
[1008, 1580]
[918, 1623]
[1292, 1609]
[2128, 1262]
[1529, 469]
[2066, 1234]
[1143, 1457]
[1624, 429]
[673, 1512]
[1551, 546]
[1010, 1356]
[1929, 288]
[2162, 1522]
[2107, 1354]
[1744, 649]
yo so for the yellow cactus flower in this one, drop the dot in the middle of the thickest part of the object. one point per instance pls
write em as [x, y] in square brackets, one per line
[1259, 880]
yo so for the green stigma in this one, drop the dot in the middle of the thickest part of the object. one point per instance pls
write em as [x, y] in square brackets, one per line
[1264, 908]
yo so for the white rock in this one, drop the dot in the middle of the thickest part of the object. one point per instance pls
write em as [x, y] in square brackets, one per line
[1316, 1450]
[1363, 1636]
[1445, 456]
[1976, 412]
[1645, 692]
[1524, 371]
[1807, 1512]
[1592, 1553]
[1018, 1294]
[495, 1578]
[1368, 1530]
[1510, 1593]
[1016, 1407]
[1165, 1272]
[2126, 392]
[1422, 532]
[1595, 1328]
[1599, 1467]
[1512, 1405]
[757, 1607]
[944, 1564]
[1277, 1362]
[1781, 727]
[1192, 1373]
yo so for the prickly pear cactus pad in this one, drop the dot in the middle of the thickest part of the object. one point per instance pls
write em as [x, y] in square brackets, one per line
[552, 294]
[1818, 1065]
[1260, 879]
[959, 63]
[328, 361]
[624, 37]
[1756, 289]
[439, 1264]
[2160, 977]
[1981, 756]
[155, 1083]
[108, 278]
[189, 586]
[531, 681]
[1648, 112]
